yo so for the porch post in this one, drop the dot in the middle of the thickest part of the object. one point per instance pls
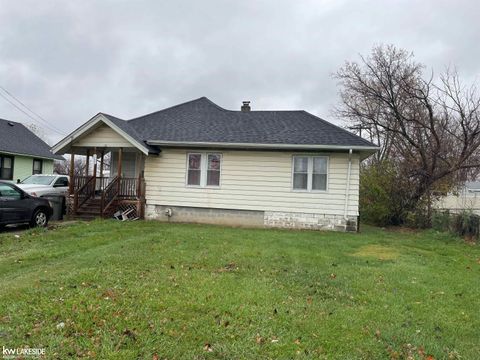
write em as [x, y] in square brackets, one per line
[94, 162]
[119, 165]
[119, 170]
[102, 154]
[71, 183]
[88, 162]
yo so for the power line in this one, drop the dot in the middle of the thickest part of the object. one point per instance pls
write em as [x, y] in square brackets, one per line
[27, 114]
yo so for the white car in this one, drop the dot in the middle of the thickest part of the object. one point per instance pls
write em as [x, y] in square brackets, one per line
[40, 185]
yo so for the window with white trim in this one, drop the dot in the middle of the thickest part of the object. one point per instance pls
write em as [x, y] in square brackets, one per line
[204, 169]
[310, 173]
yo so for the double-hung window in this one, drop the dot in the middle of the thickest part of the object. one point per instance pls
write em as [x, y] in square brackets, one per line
[37, 166]
[203, 169]
[6, 167]
[310, 173]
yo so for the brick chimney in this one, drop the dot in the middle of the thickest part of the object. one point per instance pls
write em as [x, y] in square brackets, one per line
[245, 106]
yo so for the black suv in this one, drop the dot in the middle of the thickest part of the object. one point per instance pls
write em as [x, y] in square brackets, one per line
[17, 207]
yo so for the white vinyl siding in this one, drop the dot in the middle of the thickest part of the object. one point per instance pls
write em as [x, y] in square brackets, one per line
[103, 136]
[251, 180]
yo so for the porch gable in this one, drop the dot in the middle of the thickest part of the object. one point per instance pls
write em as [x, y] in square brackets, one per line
[99, 132]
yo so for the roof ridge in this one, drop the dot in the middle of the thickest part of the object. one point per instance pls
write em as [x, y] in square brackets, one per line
[11, 121]
[178, 105]
[105, 114]
[338, 127]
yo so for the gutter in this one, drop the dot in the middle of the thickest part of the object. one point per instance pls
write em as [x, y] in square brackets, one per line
[258, 145]
[347, 190]
[31, 155]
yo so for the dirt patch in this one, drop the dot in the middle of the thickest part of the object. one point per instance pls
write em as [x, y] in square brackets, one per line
[402, 229]
[379, 252]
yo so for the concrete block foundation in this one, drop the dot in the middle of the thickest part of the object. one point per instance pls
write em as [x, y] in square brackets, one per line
[205, 215]
[249, 218]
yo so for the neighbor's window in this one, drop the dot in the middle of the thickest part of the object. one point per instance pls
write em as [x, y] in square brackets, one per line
[203, 169]
[37, 166]
[6, 167]
[310, 173]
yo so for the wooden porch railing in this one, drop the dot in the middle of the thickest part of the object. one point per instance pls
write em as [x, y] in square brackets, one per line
[128, 188]
[85, 192]
[109, 190]
[79, 181]
[109, 195]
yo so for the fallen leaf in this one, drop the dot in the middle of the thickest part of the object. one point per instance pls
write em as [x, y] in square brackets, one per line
[297, 341]
[207, 347]
[377, 334]
[259, 340]
[333, 276]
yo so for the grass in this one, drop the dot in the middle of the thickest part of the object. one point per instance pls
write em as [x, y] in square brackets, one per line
[146, 290]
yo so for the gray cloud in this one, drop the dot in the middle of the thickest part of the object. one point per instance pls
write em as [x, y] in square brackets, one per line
[70, 60]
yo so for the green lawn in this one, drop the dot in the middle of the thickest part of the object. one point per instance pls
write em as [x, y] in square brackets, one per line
[146, 290]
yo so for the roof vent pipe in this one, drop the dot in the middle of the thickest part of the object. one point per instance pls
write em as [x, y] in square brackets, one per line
[245, 106]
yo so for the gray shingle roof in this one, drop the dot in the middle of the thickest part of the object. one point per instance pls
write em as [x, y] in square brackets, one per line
[201, 120]
[130, 130]
[17, 139]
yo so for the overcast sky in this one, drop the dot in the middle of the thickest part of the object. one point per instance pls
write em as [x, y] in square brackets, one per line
[68, 60]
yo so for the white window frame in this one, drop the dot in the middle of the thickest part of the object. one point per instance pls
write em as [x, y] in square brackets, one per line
[310, 158]
[204, 169]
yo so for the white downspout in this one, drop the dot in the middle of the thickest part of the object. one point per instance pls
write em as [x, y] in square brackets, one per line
[347, 190]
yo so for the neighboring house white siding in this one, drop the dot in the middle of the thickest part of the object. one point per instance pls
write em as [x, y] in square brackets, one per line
[469, 201]
[103, 136]
[253, 180]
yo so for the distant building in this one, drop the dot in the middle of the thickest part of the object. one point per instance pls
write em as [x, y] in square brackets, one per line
[468, 198]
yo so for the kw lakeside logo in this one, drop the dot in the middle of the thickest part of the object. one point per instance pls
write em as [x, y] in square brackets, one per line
[11, 353]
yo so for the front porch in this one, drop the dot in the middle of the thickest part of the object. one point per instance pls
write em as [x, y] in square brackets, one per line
[112, 179]
[104, 189]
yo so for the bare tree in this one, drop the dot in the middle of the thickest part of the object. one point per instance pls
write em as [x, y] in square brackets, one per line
[39, 131]
[430, 131]
[63, 167]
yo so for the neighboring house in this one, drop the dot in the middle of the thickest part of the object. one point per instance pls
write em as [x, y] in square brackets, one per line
[467, 198]
[198, 162]
[22, 153]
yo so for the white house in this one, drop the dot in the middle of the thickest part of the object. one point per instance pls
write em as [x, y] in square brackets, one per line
[198, 162]
[466, 199]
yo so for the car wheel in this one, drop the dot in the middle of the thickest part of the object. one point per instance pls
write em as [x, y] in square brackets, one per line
[39, 219]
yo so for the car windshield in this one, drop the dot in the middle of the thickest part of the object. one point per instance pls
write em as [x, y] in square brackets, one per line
[38, 180]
